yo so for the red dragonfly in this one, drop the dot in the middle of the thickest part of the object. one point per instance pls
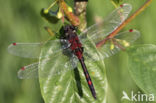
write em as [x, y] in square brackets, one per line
[73, 48]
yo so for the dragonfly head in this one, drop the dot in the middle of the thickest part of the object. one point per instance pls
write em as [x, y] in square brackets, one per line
[69, 29]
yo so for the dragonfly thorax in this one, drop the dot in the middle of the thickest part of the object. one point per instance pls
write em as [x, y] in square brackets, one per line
[71, 35]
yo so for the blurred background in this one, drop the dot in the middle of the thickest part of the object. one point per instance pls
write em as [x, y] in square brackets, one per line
[20, 21]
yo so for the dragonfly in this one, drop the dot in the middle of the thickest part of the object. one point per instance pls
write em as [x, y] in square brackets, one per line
[74, 48]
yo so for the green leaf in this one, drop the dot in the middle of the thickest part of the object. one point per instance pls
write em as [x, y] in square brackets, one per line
[69, 86]
[142, 67]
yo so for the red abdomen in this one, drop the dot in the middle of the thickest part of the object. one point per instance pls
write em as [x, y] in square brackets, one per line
[76, 46]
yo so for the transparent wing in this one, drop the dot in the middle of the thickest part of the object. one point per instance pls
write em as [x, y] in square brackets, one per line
[90, 52]
[53, 64]
[50, 64]
[120, 41]
[47, 67]
[99, 31]
[29, 71]
[32, 50]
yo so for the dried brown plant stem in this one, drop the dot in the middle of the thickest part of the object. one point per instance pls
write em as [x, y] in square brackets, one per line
[80, 11]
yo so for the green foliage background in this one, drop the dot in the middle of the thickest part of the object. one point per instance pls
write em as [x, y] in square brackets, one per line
[20, 21]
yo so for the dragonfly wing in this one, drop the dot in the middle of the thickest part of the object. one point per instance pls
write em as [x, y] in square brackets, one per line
[99, 31]
[29, 71]
[32, 50]
[51, 62]
[128, 36]
[121, 41]
[48, 67]
[90, 52]
[55, 63]
[27, 50]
